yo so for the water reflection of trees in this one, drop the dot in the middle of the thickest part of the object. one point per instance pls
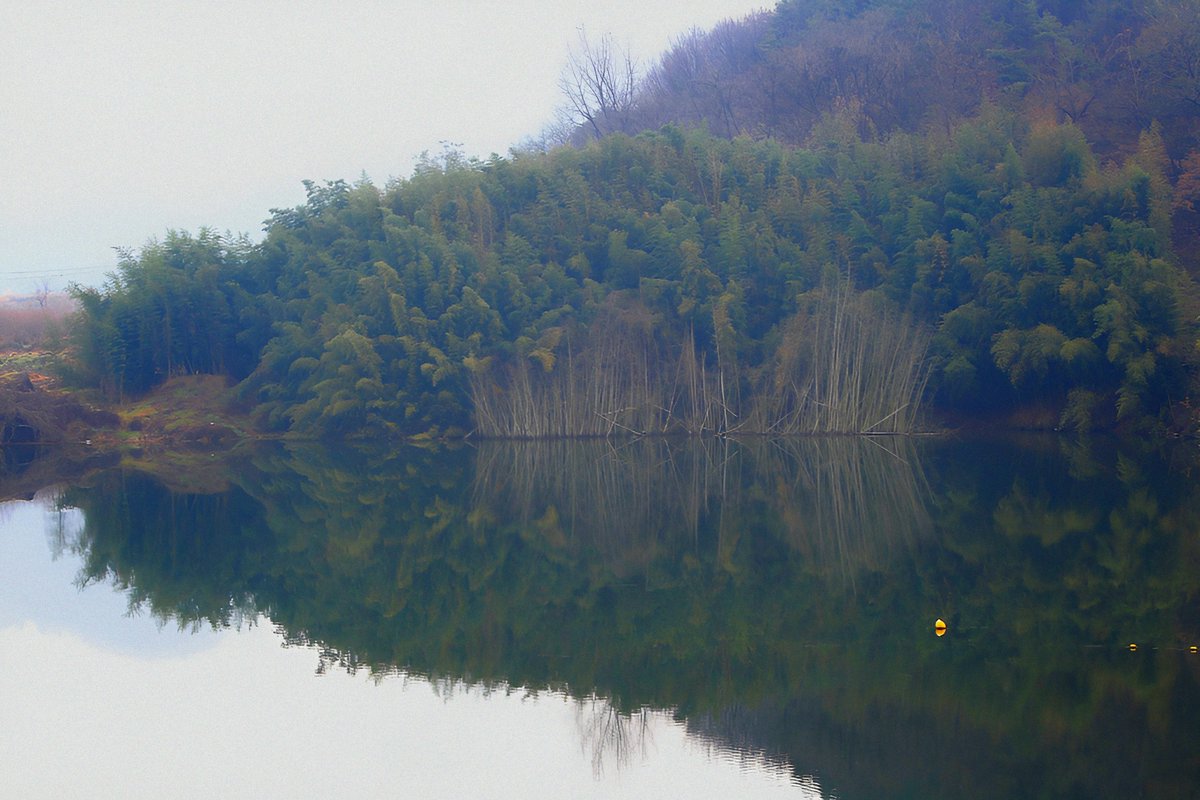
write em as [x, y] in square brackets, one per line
[612, 737]
[795, 578]
[844, 503]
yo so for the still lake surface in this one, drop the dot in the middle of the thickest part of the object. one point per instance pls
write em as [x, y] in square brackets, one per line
[592, 619]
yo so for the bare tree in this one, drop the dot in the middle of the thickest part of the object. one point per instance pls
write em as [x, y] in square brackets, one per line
[600, 84]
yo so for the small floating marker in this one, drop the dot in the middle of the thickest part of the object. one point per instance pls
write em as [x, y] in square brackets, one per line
[1132, 647]
[1194, 649]
[939, 627]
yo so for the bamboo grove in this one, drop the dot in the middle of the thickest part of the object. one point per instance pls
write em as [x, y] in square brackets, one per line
[674, 281]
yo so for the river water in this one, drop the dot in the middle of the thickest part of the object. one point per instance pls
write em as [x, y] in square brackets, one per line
[605, 619]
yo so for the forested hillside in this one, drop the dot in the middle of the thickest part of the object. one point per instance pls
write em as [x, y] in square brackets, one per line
[1111, 68]
[972, 257]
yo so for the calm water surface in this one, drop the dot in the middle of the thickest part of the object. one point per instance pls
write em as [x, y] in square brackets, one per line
[655, 619]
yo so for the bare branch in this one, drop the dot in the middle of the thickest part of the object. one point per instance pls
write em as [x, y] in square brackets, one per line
[600, 85]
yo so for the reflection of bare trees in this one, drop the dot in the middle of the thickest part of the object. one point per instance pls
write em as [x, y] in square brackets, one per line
[627, 501]
[849, 501]
[612, 737]
[846, 503]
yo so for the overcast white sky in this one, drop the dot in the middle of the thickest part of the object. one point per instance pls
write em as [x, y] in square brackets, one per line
[121, 120]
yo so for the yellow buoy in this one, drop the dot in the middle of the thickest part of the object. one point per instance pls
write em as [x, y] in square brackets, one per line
[939, 627]
[1193, 649]
[1132, 646]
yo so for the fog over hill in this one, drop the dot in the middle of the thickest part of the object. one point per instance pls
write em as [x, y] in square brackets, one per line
[123, 120]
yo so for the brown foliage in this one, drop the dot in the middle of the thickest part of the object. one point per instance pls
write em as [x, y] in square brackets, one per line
[27, 321]
[850, 366]
[609, 382]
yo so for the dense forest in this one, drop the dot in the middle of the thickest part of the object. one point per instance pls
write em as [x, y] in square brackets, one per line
[835, 217]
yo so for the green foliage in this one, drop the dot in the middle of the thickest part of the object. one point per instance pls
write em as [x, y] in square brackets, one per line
[344, 387]
[176, 308]
[369, 312]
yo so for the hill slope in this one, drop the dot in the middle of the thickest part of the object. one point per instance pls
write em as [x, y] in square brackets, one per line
[678, 281]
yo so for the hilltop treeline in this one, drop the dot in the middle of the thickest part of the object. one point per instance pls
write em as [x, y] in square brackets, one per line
[1111, 68]
[675, 281]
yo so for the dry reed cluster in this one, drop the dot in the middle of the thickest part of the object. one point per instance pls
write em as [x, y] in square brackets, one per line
[849, 365]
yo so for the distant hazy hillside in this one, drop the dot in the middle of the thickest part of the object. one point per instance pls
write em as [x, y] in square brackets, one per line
[24, 319]
[810, 68]
[1110, 68]
[54, 303]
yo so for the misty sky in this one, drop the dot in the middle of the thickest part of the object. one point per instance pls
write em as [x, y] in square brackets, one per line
[121, 120]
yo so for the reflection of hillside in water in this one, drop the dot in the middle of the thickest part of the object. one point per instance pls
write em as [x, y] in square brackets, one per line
[776, 595]
[26, 469]
[844, 503]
